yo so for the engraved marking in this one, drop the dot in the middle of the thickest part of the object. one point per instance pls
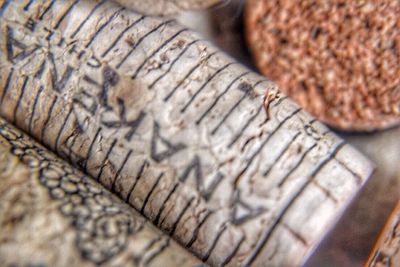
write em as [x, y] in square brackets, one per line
[197, 229]
[173, 63]
[21, 95]
[34, 109]
[214, 244]
[4, 6]
[267, 234]
[238, 135]
[146, 200]
[101, 28]
[183, 211]
[156, 51]
[295, 234]
[195, 166]
[297, 165]
[12, 43]
[219, 97]
[89, 153]
[247, 212]
[158, 252]
[140, 40]
[226, 116]
[106, 158]
[138, 176]
[121, 34]
[171, 148]
[56, 144]
[49, 113]
[204, 85]
[157, 219]
[282, 153]
[86, 19]
[233, 253]
[117, 174]
[47, 9]
[71, 6]
[249, 161]
[7, 85]
[59, 83]
[27, 5]
[358, 178]
[325, 191]
[188, 74]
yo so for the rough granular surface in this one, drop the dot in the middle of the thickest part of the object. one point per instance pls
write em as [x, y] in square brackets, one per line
[340, 60]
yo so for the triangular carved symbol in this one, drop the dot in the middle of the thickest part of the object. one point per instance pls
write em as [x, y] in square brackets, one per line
[16, 50]
[161, 148]
[242, 212]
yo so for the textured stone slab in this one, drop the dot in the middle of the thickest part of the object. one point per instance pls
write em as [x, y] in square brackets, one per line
[177, 129]
[53, 215]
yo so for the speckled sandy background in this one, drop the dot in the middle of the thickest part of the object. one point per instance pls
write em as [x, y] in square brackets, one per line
[350, 242]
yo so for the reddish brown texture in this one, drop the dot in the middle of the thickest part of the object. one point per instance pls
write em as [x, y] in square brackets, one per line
[340, 60]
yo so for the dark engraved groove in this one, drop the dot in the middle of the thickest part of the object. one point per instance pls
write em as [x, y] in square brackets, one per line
[117, 174]
[89, 153]
[6, 86]
[141, 40]
[196, 231]
[282, 153]
[214, 244]
[146, 200]
[226, 116]
[65, 14]
[138, 176]
[204, 85]
[233, 253]
[87, 18]
[39, 93]
[358, 178]
[266, 235]
[121, 34]
[101, 28]
[26, 7]
[219, 96]
[49, 113]
[158, 252]
[56, 143]
[251, 119]
[21, 95]
[103, 163]
[173, 63]
[156, 51]
[157, 219]
[4, 6]
[47, 9]
[183, 211]
[71, 146]
[188, 74]
[250, 160]
[297, 165]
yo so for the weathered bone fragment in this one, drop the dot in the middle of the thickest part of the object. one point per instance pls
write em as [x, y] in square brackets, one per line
[386, 251]
[53, 215]
[176, 129]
